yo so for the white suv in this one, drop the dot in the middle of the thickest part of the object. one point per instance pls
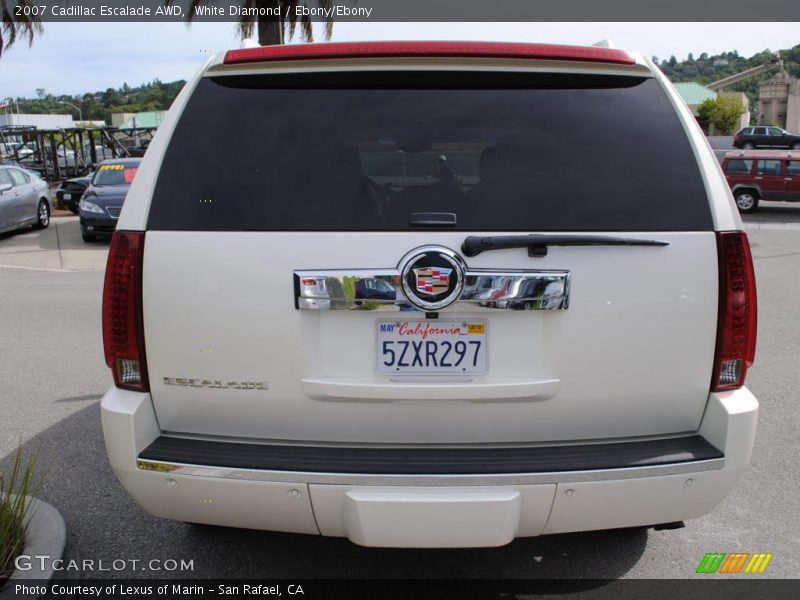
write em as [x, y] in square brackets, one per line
[562, 339]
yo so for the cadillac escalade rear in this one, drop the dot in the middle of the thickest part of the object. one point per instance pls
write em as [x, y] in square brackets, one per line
[429, 294]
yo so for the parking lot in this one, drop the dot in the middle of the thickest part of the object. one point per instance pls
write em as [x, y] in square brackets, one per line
[57, 248]
[53, 376]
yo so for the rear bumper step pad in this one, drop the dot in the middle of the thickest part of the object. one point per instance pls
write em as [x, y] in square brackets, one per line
[429, 461]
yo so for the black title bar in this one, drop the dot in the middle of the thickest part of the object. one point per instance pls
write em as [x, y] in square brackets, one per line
[744, 588]
[367, 11]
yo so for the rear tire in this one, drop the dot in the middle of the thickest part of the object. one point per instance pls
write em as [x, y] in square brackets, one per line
[749, 146]
[746, 201]
[73, 208]
[43, 215]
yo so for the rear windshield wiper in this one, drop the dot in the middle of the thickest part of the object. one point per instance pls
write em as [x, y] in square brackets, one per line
[537, 243]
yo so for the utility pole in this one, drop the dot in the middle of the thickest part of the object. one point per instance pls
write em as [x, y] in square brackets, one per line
[8, 108]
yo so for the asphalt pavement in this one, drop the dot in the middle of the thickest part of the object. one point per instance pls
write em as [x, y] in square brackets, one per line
[53, 374]
[60, 247]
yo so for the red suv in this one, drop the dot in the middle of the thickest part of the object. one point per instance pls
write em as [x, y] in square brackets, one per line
[756, 175]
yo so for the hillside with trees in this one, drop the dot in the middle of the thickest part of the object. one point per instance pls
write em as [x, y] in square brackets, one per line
[706, 69]
[98, 106]
[158, 95]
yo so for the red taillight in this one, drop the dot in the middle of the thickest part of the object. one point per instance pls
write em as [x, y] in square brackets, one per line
[123, 329]
[428, 49]
[736, 328]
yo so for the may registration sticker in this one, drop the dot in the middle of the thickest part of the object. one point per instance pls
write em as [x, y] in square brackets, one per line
[452, 346]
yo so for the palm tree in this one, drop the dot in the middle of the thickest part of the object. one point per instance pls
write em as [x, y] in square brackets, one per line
[271, 29]
[17, 26]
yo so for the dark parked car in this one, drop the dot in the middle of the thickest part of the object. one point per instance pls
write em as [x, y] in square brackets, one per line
[751, 138]
[762, 175]
[70, 191]
[140, 149]
[102, 202]
[374, 289]
[541, 295]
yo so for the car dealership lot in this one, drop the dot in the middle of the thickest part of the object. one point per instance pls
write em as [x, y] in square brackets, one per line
[53, 374]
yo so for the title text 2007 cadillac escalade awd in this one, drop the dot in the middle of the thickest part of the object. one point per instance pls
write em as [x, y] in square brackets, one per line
[564, 308]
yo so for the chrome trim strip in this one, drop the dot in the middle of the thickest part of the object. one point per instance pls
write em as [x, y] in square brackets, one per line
[490, 289]
[443, 480]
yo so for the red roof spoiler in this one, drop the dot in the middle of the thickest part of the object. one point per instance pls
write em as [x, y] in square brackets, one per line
[428, 49]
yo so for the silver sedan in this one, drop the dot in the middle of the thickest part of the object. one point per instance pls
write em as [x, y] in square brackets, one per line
[24, 199]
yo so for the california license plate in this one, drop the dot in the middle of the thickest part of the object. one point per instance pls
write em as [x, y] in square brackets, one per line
[453, 346]
[67, 196]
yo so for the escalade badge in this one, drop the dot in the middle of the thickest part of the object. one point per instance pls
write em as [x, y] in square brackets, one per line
[432, 277]
[216, 384]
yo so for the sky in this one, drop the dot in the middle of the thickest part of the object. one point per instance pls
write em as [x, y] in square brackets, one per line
[74, 58]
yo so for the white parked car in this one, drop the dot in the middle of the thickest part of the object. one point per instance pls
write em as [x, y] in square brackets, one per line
[252, 389]
[24, 199]
[8, 150]
[15, 150]
[69, 161]
[101, 152]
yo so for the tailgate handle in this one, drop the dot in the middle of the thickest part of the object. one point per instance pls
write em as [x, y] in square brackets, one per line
[432, 219]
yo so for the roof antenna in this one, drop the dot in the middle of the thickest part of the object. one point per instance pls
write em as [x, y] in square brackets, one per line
[604, 44]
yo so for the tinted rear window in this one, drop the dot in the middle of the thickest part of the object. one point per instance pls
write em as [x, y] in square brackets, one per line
[768, 167]
[502, 152]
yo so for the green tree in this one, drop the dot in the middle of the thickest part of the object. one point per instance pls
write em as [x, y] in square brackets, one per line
[111, 97]
[271, 29]
[722, 112]
[713, 68]
[99, 105]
